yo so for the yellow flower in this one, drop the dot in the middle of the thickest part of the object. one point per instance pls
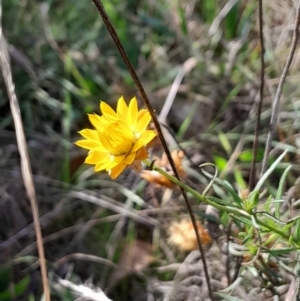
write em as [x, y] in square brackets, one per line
[119, 139]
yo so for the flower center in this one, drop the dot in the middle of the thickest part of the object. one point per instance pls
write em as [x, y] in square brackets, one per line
[117, 138]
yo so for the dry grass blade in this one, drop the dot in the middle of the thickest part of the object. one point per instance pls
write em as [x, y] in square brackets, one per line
[22, 146]
[261, 94]
[188, 65]
[275, 109]
[110, 204]
[80, 256]
[223, 13]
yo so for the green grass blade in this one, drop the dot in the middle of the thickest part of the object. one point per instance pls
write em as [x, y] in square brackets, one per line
[269, 171]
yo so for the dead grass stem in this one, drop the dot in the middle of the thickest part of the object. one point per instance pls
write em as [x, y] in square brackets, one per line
[22, 146]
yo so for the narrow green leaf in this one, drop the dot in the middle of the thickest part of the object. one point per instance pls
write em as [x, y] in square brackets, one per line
[280, 190]
[225, 143]
[269, 171]
[238, 175]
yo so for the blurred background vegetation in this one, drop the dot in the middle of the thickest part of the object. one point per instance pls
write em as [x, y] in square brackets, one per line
[64, 62]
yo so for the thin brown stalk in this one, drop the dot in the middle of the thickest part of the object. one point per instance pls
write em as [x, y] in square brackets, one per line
[22, 146]
[228, 234]
[113, 33]
[261, 95]
[274, 117]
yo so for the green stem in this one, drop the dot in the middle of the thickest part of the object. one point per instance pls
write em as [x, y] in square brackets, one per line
[200, 197]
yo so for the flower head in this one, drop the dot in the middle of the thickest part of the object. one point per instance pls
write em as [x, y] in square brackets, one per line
[120, 137]
[182, 235]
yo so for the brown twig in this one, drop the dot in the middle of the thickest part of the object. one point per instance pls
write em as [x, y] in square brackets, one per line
[274, 117]
[144, 96]
[25, 162]
[261, 95]
[228, 235]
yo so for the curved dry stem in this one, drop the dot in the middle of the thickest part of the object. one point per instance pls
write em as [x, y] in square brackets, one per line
[23, 150]
[261, 94]
[274, 117]
[144, 96]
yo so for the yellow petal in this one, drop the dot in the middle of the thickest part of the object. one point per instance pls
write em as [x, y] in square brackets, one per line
[143, 121]
[88, 144]
[129, 158]
[122, 109]
[132, 112]
[100, 148]
[137, 145]
[147, 136]
[105, 165]
[107, 111]
[89, 134]
[142, 112]
[118, 159]
[144, 139]
[103, 160]
[99, 167]
[117, 170]
[96, 157]
[95, 120]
